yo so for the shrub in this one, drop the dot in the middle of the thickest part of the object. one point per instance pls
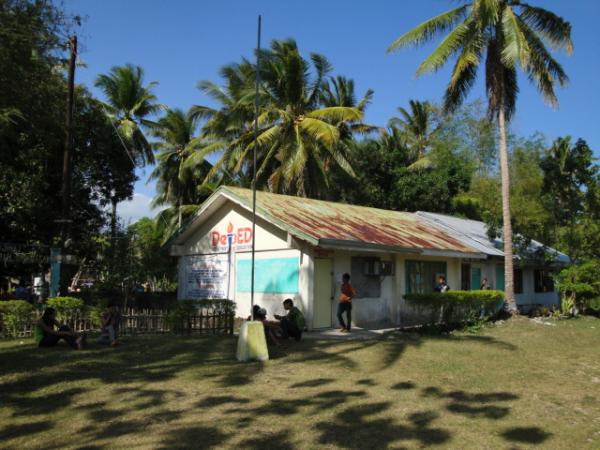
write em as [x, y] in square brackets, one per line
[95, 315]
[66, 307]
[579, 286]
[457, 306]
[179, 316]
[15, 315]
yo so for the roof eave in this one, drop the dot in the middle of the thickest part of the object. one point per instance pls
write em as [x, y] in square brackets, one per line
[450, 254]
[341, 244]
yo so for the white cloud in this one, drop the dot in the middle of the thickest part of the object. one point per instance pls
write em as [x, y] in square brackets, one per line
[130, 211]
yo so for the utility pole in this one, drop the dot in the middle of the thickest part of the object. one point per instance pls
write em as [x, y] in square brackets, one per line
[256, 106]
[65, 220]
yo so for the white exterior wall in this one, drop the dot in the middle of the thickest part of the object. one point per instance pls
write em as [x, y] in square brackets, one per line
[529, 298]
[366, 312]
[270, 242]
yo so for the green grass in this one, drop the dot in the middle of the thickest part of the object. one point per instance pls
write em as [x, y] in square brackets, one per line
[517, 385]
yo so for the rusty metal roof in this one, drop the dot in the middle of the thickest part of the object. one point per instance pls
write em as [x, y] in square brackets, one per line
[325, 223]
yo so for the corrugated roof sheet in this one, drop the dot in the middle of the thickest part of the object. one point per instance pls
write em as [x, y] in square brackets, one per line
[471, 232]
[317, 220]
[474, 234]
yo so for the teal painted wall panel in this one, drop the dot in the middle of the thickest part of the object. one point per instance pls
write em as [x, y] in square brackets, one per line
[499, 278]
[271, 275]
[475, 278]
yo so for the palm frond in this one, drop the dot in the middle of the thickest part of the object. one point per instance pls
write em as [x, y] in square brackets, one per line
[448, 47]
[337, 114]
[553, 28]
[426, 31]
[515, 49]
[543, 69]
[322, 132]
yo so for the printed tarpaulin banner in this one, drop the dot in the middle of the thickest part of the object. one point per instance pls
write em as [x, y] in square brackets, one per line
[271, 275]
[206, 276]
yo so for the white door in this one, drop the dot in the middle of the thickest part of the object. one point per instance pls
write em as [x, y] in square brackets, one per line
[323, 293]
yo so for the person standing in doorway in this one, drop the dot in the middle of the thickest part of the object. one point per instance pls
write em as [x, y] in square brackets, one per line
[347, 293]
[484, 285]
[442, 286]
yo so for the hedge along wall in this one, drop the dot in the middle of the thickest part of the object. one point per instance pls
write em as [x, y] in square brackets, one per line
[455, 306]
[17, 317]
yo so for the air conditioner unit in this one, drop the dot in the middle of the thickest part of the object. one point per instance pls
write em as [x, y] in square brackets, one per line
[388, 268]
[372, 267]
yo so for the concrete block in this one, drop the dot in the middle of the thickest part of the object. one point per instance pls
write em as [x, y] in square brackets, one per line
[252, 343]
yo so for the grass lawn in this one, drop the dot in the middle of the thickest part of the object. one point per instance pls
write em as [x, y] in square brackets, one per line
[520, 384]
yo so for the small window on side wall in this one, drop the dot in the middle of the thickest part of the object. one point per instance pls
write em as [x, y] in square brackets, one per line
[518, 280]
[363, 277]
[543, 281]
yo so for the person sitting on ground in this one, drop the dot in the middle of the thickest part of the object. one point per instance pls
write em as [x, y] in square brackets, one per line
[111, 319]
[291, 324]
[442, 286]
[272, 329]
[260, 314]
[46, 336]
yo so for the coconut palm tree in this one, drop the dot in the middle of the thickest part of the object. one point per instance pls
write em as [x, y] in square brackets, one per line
[228, 127]
[339, 91]
[417, 126]
[179, 173]
[297, 135]
[509, 35]
[129, 103]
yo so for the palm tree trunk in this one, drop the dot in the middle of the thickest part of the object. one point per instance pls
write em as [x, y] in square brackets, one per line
[113, 234]
[506, 227]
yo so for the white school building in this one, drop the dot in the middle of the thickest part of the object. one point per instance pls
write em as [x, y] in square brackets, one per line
[304, 246]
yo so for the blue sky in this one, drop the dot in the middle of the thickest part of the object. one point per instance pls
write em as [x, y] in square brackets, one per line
[181, 42]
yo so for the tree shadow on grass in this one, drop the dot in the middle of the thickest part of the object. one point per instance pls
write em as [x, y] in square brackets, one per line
[287, 407]
[193, 436]
[396, 343]
[240, 374]
[404, 386]
[312, 383]
[329, 352]
[24, 405]
[218, 400]
[473, 404]
[526, 435]
[277, 441]
[12, 431]
[354, 428]
[140, 398]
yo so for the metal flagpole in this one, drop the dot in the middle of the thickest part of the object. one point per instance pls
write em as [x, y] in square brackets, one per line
[254, 167]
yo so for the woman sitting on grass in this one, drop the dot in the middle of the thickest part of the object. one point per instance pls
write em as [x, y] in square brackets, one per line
[272, 329]
[46, 336]
[110, 326]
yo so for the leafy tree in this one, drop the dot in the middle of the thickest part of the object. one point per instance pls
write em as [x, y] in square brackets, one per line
[179, 173]
[386, 178]
[153, 265]
[579, 286]
[509, 34]
[432, 189]
[32, 105]
[571, 187]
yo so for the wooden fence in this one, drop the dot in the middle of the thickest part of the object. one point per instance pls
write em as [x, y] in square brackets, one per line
[149, 321]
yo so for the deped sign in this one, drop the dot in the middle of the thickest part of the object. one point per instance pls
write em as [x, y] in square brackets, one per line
[237, 237]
